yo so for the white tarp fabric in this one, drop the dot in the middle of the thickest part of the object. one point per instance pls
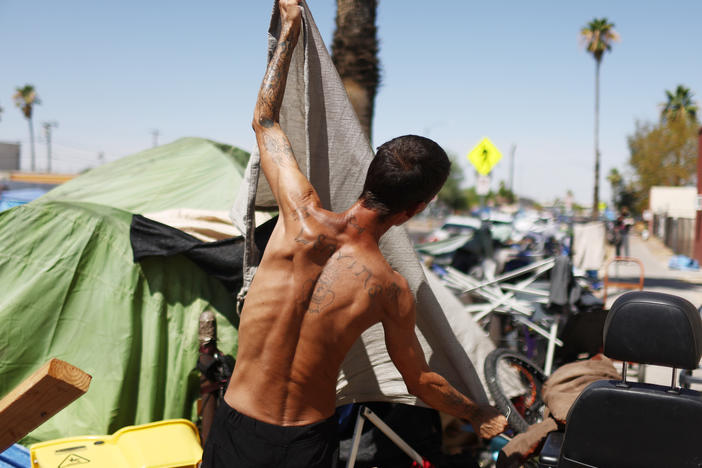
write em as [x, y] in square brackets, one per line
[334, 153]
[589, 246]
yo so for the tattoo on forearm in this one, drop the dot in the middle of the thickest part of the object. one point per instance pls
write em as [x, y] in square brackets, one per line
[270, 96]
[279, 149]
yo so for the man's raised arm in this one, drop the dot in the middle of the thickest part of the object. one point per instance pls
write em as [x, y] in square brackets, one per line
[290, 187]
[421, 381]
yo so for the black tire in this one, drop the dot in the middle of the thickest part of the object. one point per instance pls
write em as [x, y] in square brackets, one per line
[533, 378]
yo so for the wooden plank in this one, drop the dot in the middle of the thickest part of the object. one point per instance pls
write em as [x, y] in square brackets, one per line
[40, 396]
[41, 178]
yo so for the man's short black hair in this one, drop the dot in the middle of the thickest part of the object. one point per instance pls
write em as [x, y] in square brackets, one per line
[406, 171]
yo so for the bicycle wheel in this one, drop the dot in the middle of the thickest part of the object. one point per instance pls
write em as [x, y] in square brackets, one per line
[524, 409]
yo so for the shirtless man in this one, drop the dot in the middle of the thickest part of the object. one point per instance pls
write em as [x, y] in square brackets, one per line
[321, 282]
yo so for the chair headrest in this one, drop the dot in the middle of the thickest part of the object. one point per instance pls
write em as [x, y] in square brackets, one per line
[654, 328]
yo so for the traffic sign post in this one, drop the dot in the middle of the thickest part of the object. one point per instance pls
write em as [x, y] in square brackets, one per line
[484, 157]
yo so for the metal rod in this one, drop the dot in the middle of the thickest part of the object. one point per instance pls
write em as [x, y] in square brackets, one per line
[672, 382]
[513, 274]
[548, 365]
[536, 328]
[392, 435]
[357, 432]
[624, 365]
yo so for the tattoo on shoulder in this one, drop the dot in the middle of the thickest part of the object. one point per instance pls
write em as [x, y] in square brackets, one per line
[300, 213]
[375, 290]
[300, 238]
[324, 245]
[354, 222]
[393, 290]
[318, 294]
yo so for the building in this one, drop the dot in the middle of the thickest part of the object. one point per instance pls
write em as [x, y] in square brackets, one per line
[9, 156]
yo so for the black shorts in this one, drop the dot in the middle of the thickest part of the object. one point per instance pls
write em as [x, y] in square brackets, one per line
[239, 441]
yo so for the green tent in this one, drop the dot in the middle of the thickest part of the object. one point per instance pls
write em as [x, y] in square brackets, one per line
[72, 291]
[188, 173]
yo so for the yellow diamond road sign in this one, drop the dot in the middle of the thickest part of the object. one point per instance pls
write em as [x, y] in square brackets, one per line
[484, 156]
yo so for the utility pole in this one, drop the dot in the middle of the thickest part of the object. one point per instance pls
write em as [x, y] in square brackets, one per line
[511, 167]
[47, 134]
[155, 133]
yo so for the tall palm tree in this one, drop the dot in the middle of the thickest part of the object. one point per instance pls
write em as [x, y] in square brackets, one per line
[679, 104]
[598, 37]
[355, 54]
[26, 98]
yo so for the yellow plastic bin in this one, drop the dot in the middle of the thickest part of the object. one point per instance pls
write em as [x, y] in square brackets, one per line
[170, 443]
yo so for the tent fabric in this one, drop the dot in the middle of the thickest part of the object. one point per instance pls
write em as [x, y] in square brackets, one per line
[333, 152]
[188, 173]
[220, 259]
[72, 291]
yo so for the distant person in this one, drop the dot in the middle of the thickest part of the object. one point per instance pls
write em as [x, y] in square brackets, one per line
[621, 238]
[321, 282]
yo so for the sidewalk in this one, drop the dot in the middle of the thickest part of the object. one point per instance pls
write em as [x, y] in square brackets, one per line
[657, 276]
[654, 256]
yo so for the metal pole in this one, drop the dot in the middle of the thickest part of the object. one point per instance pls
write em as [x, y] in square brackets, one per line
[357, 432]
[552, 337]
[47, 133]
[155, 134]
[511, 168]
[392, 435]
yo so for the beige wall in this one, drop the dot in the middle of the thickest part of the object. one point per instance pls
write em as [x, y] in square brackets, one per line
[676, 202]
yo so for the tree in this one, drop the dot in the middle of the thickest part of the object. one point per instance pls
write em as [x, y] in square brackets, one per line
[663, 154]
[624, 194]
[451, 193]
[26, 98]
[679, 105]
[504, 194]
[598, 37]
[355, 55]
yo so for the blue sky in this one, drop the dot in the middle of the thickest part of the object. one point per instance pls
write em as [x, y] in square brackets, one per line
[456, 71]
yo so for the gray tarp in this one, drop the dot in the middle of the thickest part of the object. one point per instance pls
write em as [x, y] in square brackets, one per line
[334, 153]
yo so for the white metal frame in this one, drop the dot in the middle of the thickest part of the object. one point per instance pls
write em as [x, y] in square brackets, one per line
[365, 413]
[501, 298]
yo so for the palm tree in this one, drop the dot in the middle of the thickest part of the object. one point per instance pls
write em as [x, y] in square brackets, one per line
[598, 37]
[679, 104]
[26, 98]
[355, 54]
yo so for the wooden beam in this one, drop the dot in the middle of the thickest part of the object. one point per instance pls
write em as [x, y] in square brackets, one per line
[41, 178]
[40, 396]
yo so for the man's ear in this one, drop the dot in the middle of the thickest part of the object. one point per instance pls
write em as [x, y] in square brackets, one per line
[418, 208]
[410, 212]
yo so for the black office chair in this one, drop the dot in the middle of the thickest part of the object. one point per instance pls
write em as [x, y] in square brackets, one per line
[623, 424]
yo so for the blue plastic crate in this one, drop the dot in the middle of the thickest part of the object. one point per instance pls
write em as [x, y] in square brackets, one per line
[16, 456]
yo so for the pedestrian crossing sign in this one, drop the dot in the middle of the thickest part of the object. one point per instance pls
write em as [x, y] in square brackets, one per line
[484, 156]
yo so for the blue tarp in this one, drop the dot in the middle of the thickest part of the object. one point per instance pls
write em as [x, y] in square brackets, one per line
[11, 198]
